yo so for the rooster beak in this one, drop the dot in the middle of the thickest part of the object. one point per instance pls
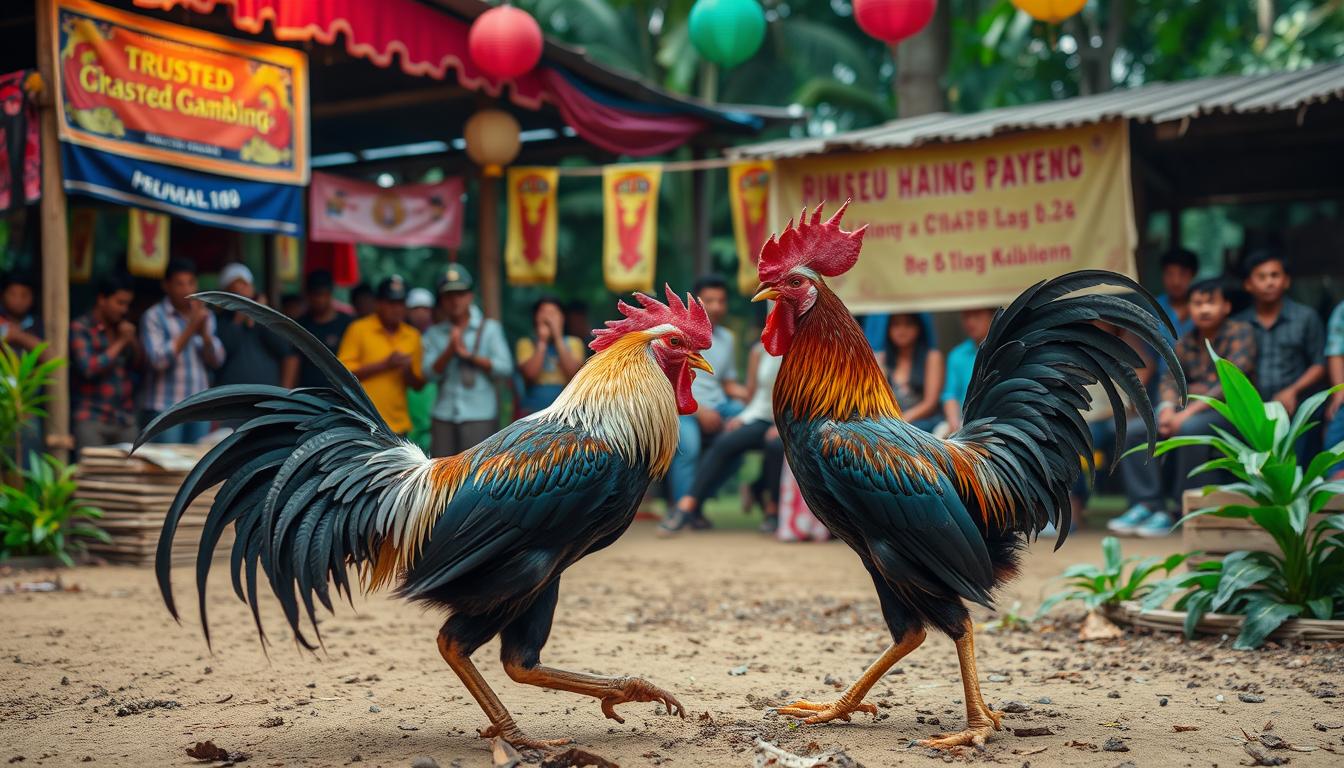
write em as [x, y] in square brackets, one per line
[698, 362]
[764, 293]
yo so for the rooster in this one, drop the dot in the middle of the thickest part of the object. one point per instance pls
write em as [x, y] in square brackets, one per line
[941, 522]
[314, 482]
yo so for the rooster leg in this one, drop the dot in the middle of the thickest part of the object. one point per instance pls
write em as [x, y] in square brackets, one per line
[981, 721]
[501, 722]
[852, 699]
[609, 690]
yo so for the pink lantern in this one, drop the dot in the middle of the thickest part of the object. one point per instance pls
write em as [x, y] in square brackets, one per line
[892, 21]
[505, 42]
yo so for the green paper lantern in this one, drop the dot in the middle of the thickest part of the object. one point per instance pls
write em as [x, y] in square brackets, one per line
[727, 32]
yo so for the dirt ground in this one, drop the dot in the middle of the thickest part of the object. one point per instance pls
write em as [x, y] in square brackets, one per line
[729, 621]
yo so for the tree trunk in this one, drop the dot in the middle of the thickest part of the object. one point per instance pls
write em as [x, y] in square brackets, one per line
[920, 64]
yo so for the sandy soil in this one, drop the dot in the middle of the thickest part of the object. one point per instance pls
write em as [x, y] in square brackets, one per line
[729, 621]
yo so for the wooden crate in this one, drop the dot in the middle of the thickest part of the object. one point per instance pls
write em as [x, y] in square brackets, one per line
[135, 494]
[1216, 536]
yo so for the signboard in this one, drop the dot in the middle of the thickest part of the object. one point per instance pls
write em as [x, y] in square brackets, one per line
[953, 226]
[215, 201]
[150, 90]
[353, 211]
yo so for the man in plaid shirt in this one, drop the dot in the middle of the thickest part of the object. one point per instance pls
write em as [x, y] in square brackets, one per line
[103, 353]
[181, 349]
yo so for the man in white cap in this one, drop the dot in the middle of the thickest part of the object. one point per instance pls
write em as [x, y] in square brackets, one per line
[420, 402]
[252, 354]
[420, 309]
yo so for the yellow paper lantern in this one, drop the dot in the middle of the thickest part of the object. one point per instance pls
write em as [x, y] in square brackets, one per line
[492, 140]
[1050, 11]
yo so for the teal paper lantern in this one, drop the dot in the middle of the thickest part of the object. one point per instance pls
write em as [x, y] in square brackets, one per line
[727, 32]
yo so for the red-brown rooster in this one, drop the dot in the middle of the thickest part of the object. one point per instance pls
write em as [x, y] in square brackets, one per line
[315, 482]
[939, 522]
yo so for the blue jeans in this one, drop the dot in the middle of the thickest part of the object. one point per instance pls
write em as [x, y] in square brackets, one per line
[1334, 435]
[681, 475]
[190, 432]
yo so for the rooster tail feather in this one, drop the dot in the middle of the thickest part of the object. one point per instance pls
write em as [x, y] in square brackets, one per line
[313, 482]
[1023, 409]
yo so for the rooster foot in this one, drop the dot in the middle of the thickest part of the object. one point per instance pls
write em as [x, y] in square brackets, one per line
[813, 713]
[975, 735]
[513, 735]
[636, 689]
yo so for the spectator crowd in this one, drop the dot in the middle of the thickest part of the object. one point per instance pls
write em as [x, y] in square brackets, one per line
[433, 365]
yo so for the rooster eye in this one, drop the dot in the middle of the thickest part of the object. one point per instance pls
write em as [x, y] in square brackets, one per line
[674, 341]
[795, 282]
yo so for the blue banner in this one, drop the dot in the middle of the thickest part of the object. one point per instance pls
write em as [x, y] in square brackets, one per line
[215, 201]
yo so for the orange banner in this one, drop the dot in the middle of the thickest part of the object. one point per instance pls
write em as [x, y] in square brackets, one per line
[286, 257]
[82, 223]
[952, 226]
[630, 224]
[749, 199]
[147, 243]
[147, 89]
[530, 252]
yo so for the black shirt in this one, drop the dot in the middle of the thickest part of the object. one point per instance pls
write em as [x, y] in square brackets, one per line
[329, 333]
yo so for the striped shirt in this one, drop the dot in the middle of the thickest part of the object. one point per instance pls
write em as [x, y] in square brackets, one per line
[172, 378]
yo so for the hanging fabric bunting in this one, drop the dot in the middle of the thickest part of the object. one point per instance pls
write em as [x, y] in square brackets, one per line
[286, 257]
[529, 254]
[630, 226]
[147, 246]
[82, 223]
[20, 146]
[749, 198]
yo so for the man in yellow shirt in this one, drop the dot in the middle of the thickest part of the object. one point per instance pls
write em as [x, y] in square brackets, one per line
[384, 354]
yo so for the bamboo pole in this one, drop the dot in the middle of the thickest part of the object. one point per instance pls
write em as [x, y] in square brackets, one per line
[55, 245]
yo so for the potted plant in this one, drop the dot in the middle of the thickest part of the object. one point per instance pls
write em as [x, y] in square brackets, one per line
[24, 379]
[42, 518]
[1304, 574]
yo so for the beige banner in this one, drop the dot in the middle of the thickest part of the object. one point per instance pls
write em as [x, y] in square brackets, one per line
[630, 223]
[971, 224]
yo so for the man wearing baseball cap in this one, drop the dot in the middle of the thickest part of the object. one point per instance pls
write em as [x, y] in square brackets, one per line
[466, 355]
[384, 354]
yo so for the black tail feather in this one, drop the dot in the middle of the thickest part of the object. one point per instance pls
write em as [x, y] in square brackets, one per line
[1028, 386]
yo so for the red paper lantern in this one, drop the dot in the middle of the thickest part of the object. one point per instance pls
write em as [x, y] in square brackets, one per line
[892, 21]
[505, 42]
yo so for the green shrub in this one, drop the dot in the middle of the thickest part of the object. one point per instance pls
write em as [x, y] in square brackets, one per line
[43, 517]
[1305, 577]
[1111, 584]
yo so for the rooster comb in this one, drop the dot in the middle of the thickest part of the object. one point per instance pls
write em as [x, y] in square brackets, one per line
[821, 246]
[688, 316]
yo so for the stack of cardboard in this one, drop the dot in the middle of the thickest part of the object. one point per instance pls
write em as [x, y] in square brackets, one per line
[135, 493]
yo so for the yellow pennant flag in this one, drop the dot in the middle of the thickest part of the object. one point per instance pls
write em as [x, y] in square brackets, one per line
[82, 223]
[147, 249]
[630, 242]
[529, 254]
[749, 198]
[286, 257]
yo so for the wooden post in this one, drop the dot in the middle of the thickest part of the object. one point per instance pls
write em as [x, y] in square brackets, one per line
[1174, 226]
[55, 245]
[702, 202]
[488, 255]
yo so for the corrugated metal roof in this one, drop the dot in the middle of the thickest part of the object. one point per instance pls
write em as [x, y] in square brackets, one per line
[1154, 103]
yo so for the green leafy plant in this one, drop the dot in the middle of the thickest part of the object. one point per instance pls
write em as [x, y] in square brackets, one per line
[1010, 620]
[1305, 577]
[24, 380]
[43, 517]
[1118, 580]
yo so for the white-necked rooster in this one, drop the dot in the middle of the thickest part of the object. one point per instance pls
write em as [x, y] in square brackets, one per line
[939, 522]
[314, 482]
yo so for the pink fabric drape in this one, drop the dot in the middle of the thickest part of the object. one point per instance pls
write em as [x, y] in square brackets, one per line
[429, 43]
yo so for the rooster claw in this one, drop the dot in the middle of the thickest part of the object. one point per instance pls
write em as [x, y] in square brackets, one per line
[813, 713]
[635, 689]
[520, 740]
